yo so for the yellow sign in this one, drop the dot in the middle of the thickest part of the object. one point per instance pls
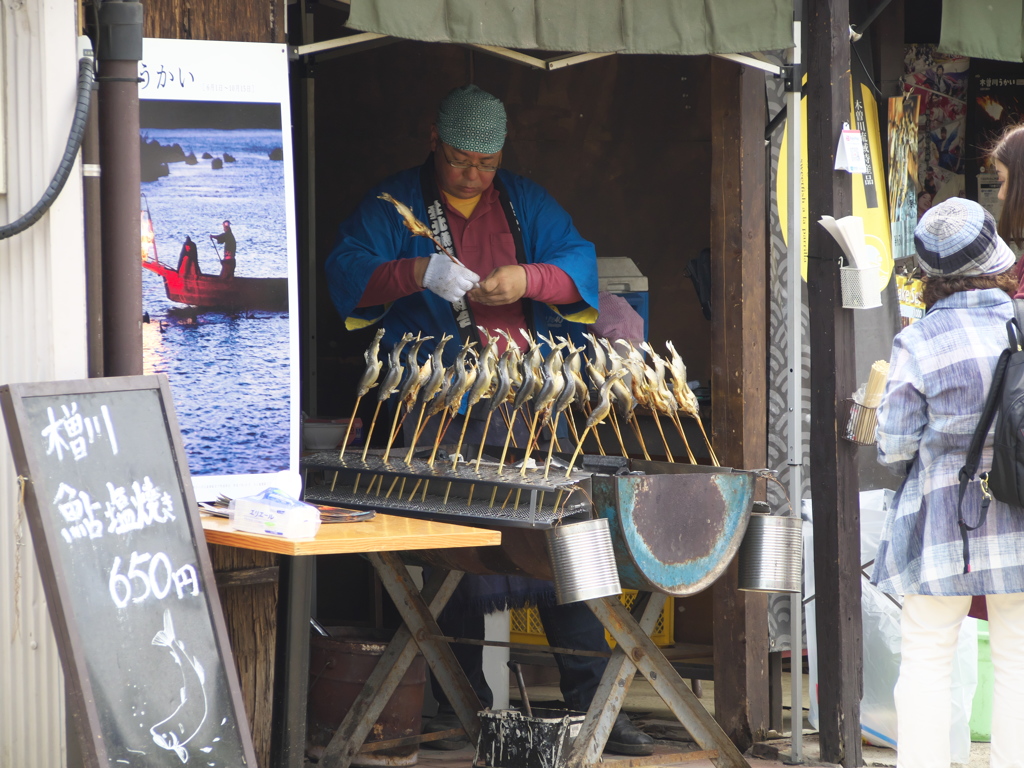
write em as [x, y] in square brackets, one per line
[870, 201]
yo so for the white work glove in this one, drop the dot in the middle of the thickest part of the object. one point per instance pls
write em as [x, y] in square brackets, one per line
[447, 279]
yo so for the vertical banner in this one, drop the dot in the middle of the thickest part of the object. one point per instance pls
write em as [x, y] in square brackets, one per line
[903, 197]
[870, 202]
[868, 189]
[218, 249]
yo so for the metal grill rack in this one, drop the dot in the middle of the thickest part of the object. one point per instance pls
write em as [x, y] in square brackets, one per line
[416, 489]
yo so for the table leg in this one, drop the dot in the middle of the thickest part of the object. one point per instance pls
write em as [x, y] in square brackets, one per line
[385, 678]
[652, 663]
[610, 694]
[428, 636]
[291, 668]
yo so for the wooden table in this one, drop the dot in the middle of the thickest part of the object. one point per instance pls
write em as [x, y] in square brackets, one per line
[379, 538]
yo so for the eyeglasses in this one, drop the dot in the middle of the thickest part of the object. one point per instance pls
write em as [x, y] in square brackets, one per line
[467, 166]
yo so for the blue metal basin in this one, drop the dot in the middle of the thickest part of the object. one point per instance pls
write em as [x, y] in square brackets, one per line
[676, 531]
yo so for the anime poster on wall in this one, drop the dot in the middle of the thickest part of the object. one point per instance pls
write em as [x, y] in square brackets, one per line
[218, 248]
[940, 81]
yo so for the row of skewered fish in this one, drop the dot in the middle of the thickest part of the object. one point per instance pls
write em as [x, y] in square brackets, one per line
[514, 382]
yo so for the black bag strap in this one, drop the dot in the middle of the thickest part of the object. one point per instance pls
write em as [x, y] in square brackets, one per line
[1015, 341]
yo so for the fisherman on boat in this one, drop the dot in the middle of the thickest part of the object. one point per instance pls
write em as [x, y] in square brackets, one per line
[227, 262]
[188, 260]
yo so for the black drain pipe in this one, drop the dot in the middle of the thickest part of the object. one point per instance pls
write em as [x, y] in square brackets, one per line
[119, 50]
[93, 240]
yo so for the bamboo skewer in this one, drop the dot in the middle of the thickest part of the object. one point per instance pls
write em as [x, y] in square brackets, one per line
[587, 410]
[394, 433]
[348, 430]
[551, 448]
[618, 434]
[639, 435]
[373, 423]
[682, 434]
[529, 443]
[576, 453]
[711, 451]
[668, 453]
[344, 442]
[483, 439]
[415, 437]
[504, 450]
[462, 436]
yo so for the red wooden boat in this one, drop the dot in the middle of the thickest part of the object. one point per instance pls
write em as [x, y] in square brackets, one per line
[198, 290]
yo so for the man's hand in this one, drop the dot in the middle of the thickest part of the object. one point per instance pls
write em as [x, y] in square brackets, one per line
[447, 279]
[504, 285]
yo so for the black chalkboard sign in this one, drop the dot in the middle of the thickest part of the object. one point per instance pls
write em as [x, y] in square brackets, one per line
[127, 574]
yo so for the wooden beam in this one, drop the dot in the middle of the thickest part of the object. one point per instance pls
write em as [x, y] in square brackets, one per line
[833, 466]
[247, 21]
[739, 375]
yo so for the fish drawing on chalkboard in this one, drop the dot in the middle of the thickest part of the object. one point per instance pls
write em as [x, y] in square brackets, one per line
[178, 728]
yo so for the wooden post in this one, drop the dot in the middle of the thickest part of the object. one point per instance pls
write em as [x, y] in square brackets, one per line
[739, 375]
[833, 466]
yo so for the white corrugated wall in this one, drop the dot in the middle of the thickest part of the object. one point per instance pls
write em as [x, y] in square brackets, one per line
[42, 337]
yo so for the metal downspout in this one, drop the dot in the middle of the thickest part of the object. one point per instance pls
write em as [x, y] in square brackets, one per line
[118, 55]
[795, 361]
[93, 239]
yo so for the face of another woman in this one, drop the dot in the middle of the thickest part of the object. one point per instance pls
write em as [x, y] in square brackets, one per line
[1004, 177]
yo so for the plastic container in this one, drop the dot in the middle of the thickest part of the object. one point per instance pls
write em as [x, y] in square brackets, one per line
[276, 513]
[981, 707]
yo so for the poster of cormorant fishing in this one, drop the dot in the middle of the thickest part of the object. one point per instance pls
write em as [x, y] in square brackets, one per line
[219, 278]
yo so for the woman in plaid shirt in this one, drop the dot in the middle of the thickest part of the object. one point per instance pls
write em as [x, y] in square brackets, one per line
[940, 372]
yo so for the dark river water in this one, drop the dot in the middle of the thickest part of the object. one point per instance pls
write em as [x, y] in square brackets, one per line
[230, 373]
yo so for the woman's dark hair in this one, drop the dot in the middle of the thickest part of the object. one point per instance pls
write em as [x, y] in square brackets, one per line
[936, 287]
[1009, 151]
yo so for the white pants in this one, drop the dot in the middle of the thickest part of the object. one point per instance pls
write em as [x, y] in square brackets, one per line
[930, 626]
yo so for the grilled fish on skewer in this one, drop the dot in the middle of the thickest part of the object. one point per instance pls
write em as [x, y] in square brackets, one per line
[373, 365]
[366, 382]
[484, 378]
[395, 368]
[531, 383]
[414, 225]
[603, 404]
[391, 380]
[437, 372]
[598, 414]
[417, 374]
[551, 386]
[621, 395]
[503, 387]
[685, 398]
[552, 380]
[597, 356]
[463, 378]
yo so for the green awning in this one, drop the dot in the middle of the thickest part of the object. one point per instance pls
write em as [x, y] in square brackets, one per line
[989, 29]
[586, 26]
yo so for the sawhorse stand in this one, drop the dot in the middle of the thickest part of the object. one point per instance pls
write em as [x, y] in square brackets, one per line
[634, 652]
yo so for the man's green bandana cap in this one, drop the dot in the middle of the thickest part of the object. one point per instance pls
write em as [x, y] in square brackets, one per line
[472, 120]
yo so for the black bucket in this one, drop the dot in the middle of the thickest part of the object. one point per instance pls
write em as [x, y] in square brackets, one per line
[338, 668]
[510, 739]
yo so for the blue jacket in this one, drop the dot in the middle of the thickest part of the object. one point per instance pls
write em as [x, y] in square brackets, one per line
[374, 234]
